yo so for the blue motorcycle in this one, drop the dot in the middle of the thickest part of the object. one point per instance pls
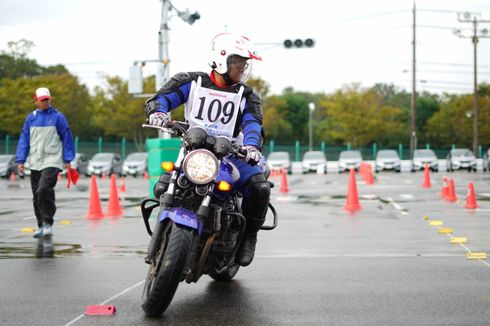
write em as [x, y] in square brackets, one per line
[200, 224]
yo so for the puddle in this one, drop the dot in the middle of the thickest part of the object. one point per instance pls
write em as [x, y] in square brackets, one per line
[47, 248]
[43, 248]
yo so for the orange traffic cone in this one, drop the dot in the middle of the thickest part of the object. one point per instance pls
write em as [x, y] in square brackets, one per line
[145, 175]
[445, 188]
[122, 188]
[94, 209]
[13, 177]
[369, 175]
[451, 195]
[113, 208]
[352, 204]
[426, 183]
[103, 176]
[284, 182]
[471, 197]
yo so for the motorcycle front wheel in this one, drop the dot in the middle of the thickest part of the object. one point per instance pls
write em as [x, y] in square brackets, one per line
[165, 272]
[225, 275]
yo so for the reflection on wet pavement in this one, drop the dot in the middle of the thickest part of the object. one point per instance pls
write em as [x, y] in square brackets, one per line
[47, 248]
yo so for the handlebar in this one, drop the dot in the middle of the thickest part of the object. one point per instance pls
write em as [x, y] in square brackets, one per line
[179, 128]
[172, 127]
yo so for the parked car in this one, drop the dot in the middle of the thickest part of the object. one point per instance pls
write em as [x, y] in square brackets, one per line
[349, 159]
[135, 164]
[7, 165]
[387, 159]
[421, 157]
[279, 160]
[486, 160]
[313, 159]
[80, 163]
[461, 158]
[105, 163]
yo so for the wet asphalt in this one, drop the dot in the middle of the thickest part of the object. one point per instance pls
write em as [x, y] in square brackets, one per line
[385, 264]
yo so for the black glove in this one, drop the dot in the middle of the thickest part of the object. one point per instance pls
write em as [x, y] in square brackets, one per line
[152, 105]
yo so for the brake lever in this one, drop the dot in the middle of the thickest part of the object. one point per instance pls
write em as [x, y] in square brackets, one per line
[164, 129]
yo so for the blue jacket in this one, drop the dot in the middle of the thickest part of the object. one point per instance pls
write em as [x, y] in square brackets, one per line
[46, 139]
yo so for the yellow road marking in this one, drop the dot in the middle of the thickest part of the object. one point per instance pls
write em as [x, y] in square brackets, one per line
[476, 255]
[445, 230]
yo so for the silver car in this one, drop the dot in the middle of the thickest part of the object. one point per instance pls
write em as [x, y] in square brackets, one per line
[387, 159]
[7, 165]
[421, 157]
[312, 160]
[104, 164]
[349, 159]
[279, 160]
[461, 158]
[486, 160]
[135, 164]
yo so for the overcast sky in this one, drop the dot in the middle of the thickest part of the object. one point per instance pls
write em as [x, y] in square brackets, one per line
[357, 41]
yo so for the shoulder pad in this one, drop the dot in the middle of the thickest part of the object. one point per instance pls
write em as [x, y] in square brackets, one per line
[178, 80]
[254, 103]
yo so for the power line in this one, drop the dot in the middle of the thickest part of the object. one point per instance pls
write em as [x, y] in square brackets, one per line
[372, 16]
[449, 72]
[450, 64]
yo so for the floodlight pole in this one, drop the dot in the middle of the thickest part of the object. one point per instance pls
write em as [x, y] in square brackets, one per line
[163, 55]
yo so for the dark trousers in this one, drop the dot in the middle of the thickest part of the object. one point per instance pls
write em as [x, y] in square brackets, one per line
[42, 184]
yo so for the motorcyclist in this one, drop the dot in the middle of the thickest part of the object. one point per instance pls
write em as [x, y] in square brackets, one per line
[224, 105]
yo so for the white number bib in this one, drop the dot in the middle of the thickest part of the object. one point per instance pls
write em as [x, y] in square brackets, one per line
[215, 111]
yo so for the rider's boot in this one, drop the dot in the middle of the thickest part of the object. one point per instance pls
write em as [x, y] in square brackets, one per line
[250, 209]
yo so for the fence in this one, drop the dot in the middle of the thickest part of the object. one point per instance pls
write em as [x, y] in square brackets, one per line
[296, 149]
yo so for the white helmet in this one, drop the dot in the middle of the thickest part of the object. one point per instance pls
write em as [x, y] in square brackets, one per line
[225, 45]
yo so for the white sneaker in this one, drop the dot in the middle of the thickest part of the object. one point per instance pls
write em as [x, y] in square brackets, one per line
[38, 233]
[47, 230]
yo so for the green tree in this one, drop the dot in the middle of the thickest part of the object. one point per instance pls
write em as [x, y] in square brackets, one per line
[118, 114]
[453, 123]
[15, 63]
[275, 124]
[69, 96]
[360, 118]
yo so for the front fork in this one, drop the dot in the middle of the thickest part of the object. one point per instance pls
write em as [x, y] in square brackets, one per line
[165, 201]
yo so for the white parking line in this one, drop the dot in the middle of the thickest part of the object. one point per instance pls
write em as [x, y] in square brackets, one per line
[108, 300]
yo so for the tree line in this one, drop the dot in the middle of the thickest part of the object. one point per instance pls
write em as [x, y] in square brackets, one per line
[352, 115]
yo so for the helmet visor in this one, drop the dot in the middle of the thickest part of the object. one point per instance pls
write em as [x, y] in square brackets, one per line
[239, 68]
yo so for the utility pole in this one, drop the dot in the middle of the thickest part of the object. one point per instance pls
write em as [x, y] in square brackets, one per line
[474, 18]
[413, 102]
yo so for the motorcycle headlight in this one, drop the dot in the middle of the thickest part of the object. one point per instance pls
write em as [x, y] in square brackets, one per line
[200, 166]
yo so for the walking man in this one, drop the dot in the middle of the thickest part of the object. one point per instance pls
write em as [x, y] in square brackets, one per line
[47, 141]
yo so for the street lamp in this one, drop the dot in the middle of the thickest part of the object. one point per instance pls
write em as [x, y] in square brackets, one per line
[311, 107]
[474, 18]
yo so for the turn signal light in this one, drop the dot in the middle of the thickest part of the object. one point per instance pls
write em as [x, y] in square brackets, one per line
[168, 166]
[224, 186]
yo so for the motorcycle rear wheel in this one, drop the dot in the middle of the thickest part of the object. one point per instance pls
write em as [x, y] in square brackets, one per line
[165, 273]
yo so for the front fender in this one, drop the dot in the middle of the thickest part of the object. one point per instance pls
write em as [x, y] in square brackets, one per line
[182, 216]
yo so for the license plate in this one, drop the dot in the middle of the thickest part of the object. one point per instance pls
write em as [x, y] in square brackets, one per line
[131, 171]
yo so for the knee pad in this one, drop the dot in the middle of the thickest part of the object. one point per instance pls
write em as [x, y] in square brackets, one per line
[162, 185]
[259, 188]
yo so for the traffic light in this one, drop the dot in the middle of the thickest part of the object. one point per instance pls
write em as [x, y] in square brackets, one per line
[299, 43]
